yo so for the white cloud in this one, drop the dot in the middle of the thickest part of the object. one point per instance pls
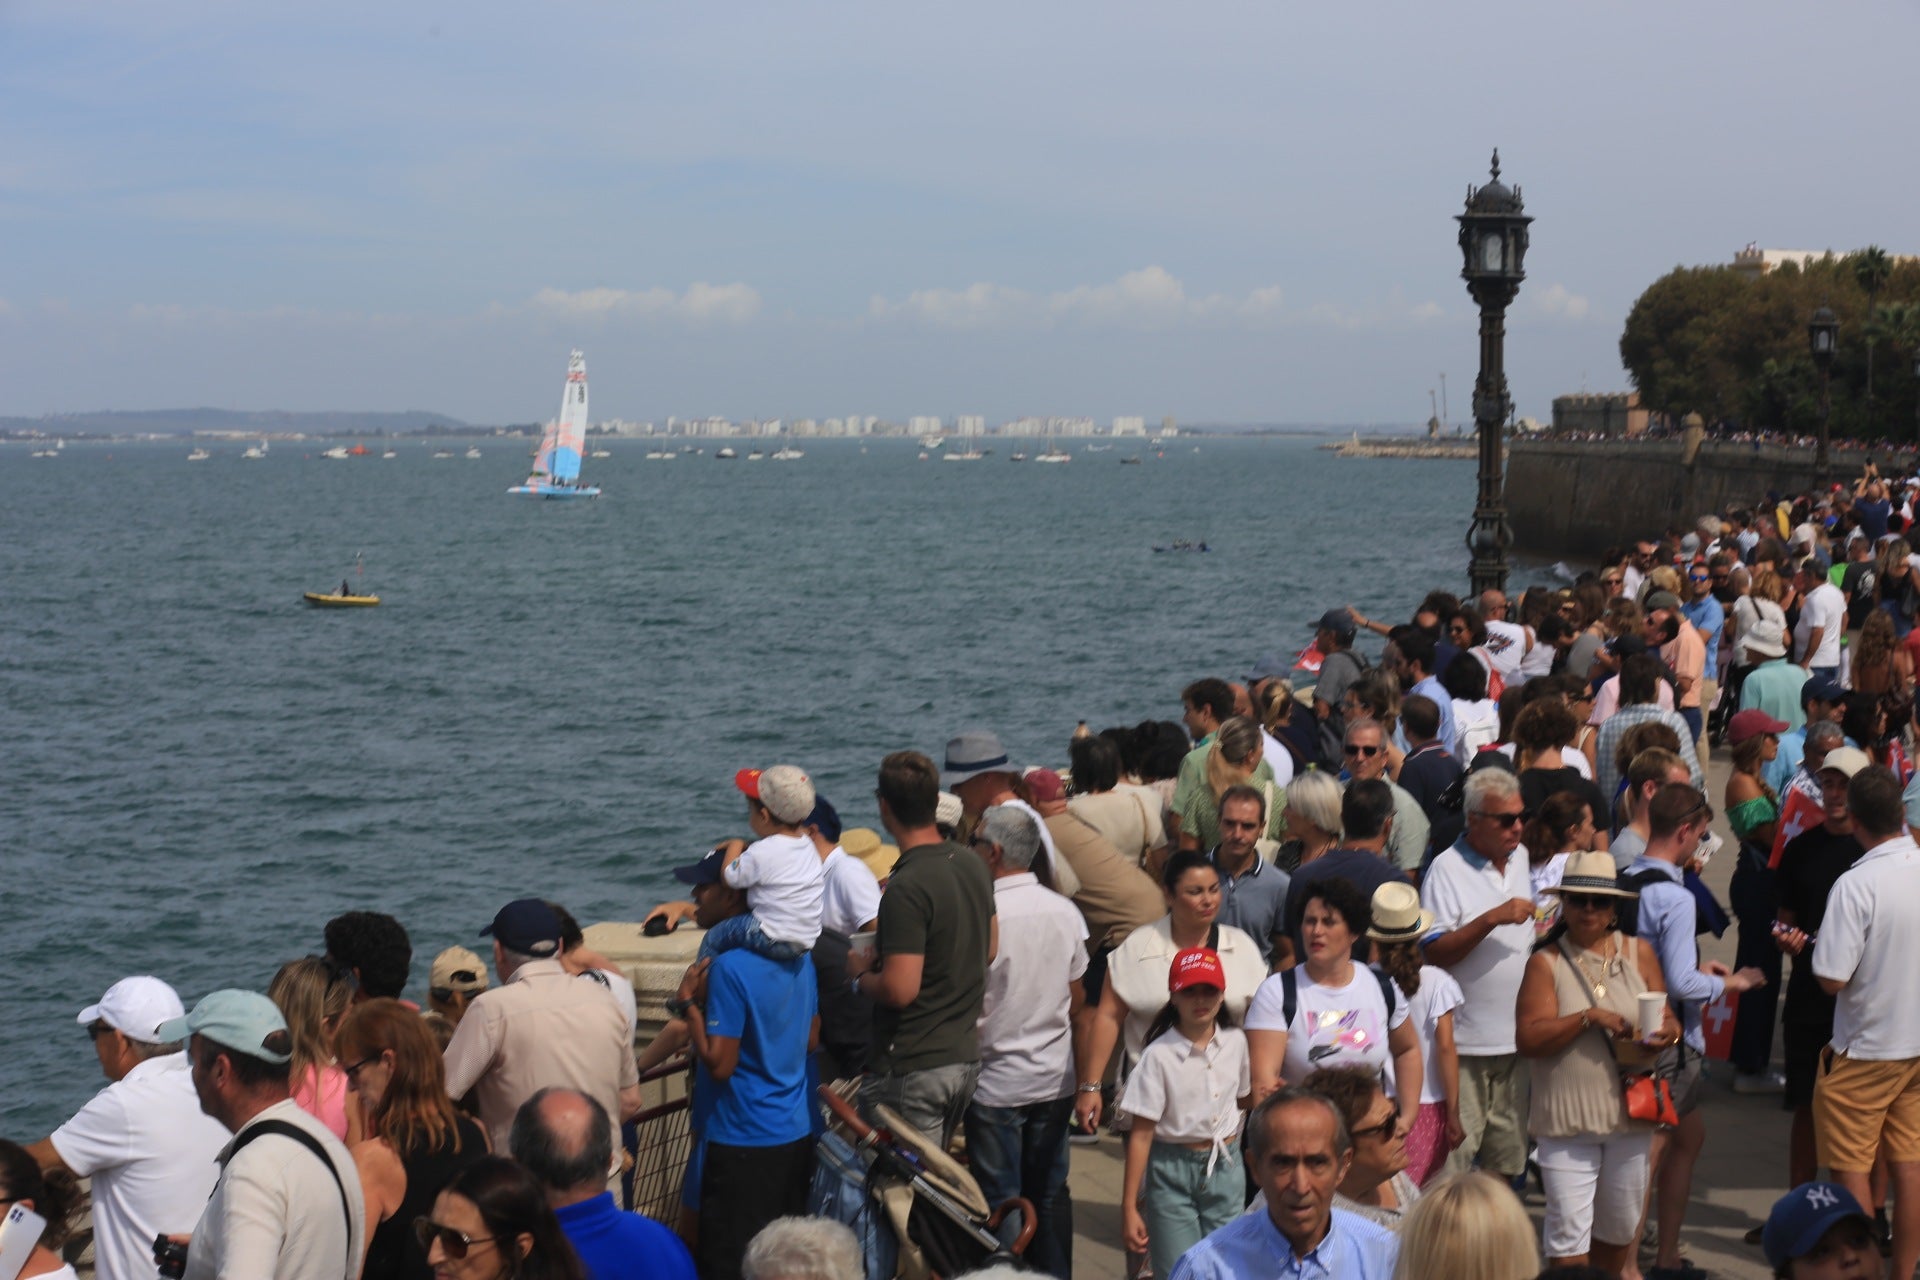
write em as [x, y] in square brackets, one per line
[1557, 300]
[1150, 298]
[702, 303]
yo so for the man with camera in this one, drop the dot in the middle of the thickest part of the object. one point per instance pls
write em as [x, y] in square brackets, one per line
[288, 1202]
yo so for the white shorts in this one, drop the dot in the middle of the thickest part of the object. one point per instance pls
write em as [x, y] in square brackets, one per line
[1596, 1187]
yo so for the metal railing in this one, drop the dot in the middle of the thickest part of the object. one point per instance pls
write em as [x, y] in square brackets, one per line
[659, 1141]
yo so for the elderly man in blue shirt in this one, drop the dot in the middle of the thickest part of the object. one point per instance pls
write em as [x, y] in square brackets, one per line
[1677, 817]
[1298, 1149]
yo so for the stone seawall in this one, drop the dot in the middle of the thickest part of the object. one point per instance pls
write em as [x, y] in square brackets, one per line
[1580, 497]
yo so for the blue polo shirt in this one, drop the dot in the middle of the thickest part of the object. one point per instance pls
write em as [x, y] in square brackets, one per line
[614, 1245]
[768, 1006]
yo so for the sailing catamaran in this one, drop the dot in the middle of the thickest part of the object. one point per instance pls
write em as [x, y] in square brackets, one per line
[556, 466]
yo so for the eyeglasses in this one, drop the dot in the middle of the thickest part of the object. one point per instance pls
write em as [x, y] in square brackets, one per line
[1504, 819]
[1386, 1128]
[1355, 749]
[352, 1069]
[97, 1029]
[455, 1243]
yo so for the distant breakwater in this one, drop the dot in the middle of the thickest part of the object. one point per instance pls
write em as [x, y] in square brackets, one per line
[1403, 447]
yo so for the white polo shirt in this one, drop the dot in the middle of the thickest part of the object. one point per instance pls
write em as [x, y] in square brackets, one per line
[1026, 1042]
[276, 1211]
[852, 895]
[1870, 939]
[150, 1151]
[1459, 886]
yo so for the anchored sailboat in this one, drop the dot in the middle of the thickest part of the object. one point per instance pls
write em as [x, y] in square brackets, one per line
[556, 465]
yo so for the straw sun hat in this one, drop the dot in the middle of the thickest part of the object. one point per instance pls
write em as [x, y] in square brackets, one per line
[1398, 915]
[1591, 871]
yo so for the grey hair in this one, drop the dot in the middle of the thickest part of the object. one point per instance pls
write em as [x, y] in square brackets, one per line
[549, 1156]
[143, 1051]
[1316, 796]
[804, 1249]
[1366, 722]
[1825, 733]
[1013, 829]
[1293, 1095]
[1489, 784]
[1238, 738]
[1709, 527]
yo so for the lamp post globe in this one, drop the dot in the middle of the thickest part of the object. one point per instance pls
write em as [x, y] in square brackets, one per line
[1493, 251]
[1823, 336]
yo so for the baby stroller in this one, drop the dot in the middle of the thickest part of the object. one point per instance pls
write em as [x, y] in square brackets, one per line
[918, 1213]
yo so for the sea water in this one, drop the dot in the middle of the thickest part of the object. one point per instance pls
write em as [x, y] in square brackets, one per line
[553, 697]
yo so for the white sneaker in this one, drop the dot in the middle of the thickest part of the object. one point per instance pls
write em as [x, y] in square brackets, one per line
[1759, 1082]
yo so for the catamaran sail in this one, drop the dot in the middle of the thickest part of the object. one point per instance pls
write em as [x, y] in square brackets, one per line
[556, 464]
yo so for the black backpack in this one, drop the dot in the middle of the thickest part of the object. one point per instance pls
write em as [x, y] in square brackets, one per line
[1626, 912]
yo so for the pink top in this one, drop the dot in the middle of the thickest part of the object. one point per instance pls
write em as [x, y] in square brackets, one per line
[328, 1104]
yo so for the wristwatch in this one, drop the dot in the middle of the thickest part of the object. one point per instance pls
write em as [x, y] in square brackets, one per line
[678, 1007]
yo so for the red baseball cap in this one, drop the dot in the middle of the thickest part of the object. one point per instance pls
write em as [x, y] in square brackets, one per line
[1196, 967]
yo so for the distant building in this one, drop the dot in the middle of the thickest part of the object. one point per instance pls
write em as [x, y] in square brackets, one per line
[1129, 426]
[1168, 427]
[970, 424]
[1616, 413]
[1753, 262]
[925, 425]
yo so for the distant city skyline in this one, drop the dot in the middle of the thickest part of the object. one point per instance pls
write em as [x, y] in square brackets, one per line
[1234, 214]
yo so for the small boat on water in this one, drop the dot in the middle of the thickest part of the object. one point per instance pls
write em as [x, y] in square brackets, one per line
[788, 454]
[726, 453]
[601, 453]
[338, 453]
[391, 453]
[556, 463]
[198, 455]
[473, 451]
[255, 452]
[1017, 455]
[754, 455]
[335, 600]
[1183, 545]
[1132, 460]
[443, 453]
[964, 455]
[1054, 455]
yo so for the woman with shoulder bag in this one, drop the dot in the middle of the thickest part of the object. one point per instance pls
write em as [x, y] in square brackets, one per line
[1577, 1018]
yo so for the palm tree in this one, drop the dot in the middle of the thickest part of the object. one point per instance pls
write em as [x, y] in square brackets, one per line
[1898, 324]
[1871, 269]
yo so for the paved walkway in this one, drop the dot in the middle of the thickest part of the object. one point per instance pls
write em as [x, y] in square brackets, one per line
[1741, 1171]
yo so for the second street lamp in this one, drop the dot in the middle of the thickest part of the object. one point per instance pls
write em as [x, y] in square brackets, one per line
[1823, 333]
[1493, 247]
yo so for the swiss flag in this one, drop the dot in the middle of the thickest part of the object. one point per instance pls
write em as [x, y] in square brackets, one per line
[1716, 1022]
[1800, 813]
[1309, 659]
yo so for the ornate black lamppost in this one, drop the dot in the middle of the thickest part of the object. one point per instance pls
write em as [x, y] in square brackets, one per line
[1493, 243]
[1822, 333]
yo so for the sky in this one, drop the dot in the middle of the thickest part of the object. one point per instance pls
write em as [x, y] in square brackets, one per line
[1223, 212]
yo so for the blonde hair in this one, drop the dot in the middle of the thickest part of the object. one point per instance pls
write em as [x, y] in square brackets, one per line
[1235, 743]
[311, 994]
[1468, 1227]
[1766, 584]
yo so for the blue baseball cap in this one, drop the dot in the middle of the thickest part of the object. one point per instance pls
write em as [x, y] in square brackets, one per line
[528, 926]
[1802, 1216]
[826, 818]
[1269, 666]
[705, 871]
[241, 1020]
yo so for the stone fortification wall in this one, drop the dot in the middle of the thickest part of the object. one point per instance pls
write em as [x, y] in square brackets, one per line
[1579, 497]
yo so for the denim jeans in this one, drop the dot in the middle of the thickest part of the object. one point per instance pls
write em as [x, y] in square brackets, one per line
[745, 931]
[931, 1100]
[1022, 1151]
[1183, 1204]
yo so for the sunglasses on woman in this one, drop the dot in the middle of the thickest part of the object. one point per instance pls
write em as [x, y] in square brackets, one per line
[1386, 1128]
[453, 1243]
[1586, 901]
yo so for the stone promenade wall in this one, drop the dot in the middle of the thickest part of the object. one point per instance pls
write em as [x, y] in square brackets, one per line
[1579, 497]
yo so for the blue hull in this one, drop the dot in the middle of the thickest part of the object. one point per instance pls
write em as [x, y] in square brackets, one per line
[555, 491]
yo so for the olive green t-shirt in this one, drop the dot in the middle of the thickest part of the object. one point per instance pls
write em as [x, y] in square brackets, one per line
[938, 905]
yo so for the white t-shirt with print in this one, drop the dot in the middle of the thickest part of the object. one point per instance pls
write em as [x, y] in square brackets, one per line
[1507, 646]
[1332, 1026]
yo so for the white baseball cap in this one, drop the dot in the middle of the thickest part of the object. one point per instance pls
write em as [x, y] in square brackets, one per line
[135, 1007]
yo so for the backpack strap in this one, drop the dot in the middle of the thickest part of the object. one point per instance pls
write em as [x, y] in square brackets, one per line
[284, 1129]
[1388, 992]
[1289, 995]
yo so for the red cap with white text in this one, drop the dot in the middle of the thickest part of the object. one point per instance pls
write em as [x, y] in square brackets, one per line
[1197, 967]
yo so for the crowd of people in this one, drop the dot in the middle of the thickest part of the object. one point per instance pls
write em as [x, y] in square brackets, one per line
[1341, 960]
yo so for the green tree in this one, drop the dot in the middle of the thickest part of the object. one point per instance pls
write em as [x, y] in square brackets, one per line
[1871, 270]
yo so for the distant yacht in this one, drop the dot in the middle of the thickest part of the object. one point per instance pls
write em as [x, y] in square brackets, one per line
[726, 453]
[1054, 453]
[964, 455]
[255, 451]
[338, 453]
[933, 440]
[754, 455]
[198, 455]
[443, 453]
[1098, 448]
[473, 451]
[1018, 455]
[787, 454]
[556, 463]
[391, 453]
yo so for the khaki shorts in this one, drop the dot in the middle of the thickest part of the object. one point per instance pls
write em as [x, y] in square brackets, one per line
[1858, 1105]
